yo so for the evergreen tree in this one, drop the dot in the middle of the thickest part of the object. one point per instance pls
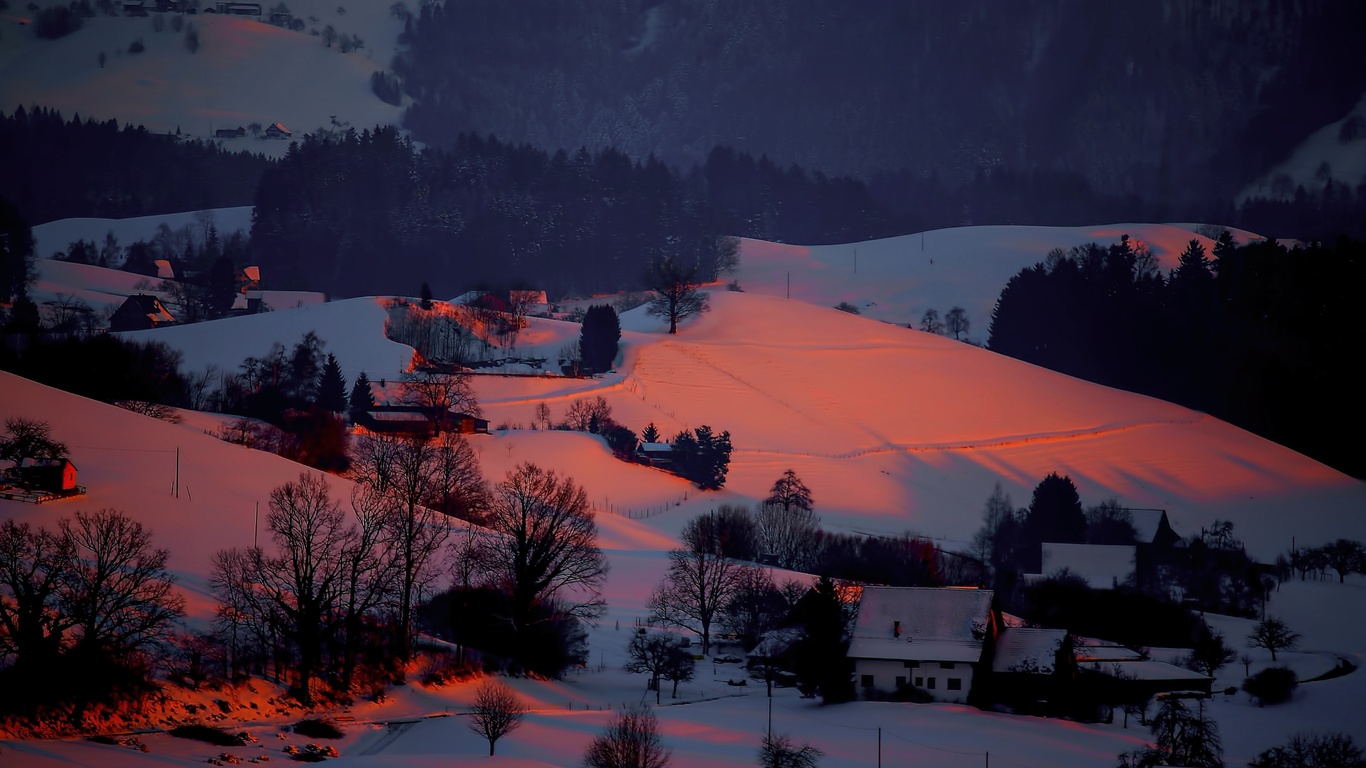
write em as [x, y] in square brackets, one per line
[650, 434]
[790, 492]
[1055, 515]
[332, 386]
[599, 338]
[362, 398]
[16, 252]
[425, 299]
[821, 656]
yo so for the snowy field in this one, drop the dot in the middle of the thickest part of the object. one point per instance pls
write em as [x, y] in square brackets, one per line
[892, 429]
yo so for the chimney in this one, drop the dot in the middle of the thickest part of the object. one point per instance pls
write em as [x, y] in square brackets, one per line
[896, 629]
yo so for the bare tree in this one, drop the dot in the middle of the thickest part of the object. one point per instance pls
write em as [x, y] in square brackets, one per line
[755, 607]
[652, 653]
[929, 322]
[543, 415]
[630, 741]
[786, 533]
[780, 752]
[119, 596]
[1345, 556]
[699, 583]
[585, 414]
[460, 490]
[34, 565]
[497, 711]
[29, 439]
[439, 392]
[546, 546]
[1273, 635]
[678, 289]
[304, 582]
[408, 469]
[790, 492]
[956, 322]
[371, 570]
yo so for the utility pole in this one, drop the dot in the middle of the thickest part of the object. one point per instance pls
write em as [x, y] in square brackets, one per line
[879, 746]
[175, 485]
[255, 525]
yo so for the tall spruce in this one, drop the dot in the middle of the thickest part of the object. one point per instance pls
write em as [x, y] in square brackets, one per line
[332, 386]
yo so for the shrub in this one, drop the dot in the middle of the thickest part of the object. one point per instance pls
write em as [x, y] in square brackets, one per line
[318, 729]
[55, 22]
[136, 47]
[1272, 685]
[1330, 750]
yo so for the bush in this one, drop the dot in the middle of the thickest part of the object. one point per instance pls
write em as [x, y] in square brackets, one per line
[1272, 685]
[318, 729]
[55, 22]
[209, 735]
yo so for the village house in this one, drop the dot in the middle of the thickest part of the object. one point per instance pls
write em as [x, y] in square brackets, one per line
[413, 419]
[140, 312]
[276, 130]
[926, 637]
[656, 454]
[230, 133]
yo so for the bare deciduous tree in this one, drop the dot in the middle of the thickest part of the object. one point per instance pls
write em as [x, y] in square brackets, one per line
[780, 752]
[546, 545]
[699, 583]
[497, 711]
[657, 654]
[678, 291]
[118, 594]
[957, 323]
[786, 533]
[1273, 635]
[438, 392]
[630, 741]
[34, 565]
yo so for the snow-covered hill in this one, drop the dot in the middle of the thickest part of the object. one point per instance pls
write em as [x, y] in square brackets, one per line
[245, 71]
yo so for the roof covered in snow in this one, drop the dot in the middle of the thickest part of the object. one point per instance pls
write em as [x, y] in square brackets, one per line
[1101, 566]
[921, 623]
[1028, 649]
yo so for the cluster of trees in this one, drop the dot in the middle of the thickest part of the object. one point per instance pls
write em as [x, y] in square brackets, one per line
[87, 611]
[1251, 334]
[337, 601]
[1181, 737]
[1344, 556]
[58, 168]
[955, 323]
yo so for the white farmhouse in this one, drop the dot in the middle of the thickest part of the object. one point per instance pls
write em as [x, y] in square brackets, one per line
[926, 637]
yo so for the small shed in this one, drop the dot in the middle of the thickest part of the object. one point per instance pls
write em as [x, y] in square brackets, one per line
[277, 131]
[656, 454]
[51, 475]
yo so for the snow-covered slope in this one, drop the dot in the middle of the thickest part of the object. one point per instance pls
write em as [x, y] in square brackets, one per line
[245, 71]
[896, 279]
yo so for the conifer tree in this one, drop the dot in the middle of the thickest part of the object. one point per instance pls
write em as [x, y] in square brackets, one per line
[332, 386]
[599, 338]
[362, 398]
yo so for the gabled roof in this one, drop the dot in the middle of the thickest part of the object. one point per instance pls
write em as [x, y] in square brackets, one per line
[1028, 649]
[926, 623]
[149, 305]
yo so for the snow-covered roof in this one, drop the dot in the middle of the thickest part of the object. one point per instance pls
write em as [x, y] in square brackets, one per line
[1101, 566]
[1142, 669]
[656, 447]
[1028, 649]
[920, 623]
[1090, 649]
[1146, 523]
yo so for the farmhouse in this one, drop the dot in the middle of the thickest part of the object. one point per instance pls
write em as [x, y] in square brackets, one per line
[240, 9]
[140, 312]
[276, 130]
[230, 133]
[412, 419]
[656, 454]
[929, 638]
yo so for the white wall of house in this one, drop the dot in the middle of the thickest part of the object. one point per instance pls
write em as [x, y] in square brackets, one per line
[946, 681]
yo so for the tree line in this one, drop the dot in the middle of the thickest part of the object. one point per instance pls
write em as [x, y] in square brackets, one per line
[1253, 334]
[58, 168]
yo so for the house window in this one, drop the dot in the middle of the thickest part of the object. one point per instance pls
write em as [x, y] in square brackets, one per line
[946, 665]
[866, 681]
[955, 684]
[900, 682]
[930, 684]
[920, 682]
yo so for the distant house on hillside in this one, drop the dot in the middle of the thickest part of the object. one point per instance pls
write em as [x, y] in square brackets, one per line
[230, 133]
[140, 312]
[656, 454]
[1108, 671]
[240, 9]
[416, 420]
[276, 130]
[929, 638]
